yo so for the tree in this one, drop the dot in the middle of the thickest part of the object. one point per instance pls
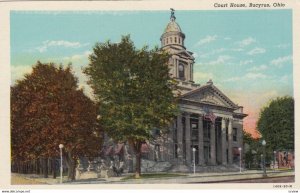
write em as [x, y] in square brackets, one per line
[134, 90]
[276, 124]
[251, 149]
[48, 109]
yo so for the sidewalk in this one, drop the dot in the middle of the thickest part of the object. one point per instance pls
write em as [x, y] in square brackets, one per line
[188, 178]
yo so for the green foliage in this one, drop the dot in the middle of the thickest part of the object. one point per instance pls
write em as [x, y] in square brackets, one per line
[134, 91]
[253, 151]
[47, 109]
[133, 88]
[276, 124]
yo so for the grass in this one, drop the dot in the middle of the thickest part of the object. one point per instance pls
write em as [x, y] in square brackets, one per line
[153, 175]
[18, 180]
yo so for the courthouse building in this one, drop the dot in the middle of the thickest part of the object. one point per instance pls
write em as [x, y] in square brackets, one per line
[209, 121]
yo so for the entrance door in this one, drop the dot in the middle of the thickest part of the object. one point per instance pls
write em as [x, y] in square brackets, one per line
[206, 154]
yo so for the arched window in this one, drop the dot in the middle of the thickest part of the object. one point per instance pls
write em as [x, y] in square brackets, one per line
[171, 40]
[181, 71]
[179, 40]
[175, 40]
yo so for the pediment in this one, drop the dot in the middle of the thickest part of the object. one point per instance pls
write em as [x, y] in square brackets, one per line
[185, 54]
[209, 94]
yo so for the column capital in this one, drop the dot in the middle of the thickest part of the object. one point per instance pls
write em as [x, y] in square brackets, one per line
[186, 114]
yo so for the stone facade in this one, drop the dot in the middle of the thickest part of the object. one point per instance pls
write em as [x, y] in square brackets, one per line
[209, 121]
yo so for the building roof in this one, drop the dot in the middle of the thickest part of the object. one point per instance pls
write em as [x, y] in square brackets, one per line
[172, 27]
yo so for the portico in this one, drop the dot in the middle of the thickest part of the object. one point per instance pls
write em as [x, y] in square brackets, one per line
[211, 140]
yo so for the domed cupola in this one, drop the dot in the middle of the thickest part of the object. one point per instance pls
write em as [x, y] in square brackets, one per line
[172, 34]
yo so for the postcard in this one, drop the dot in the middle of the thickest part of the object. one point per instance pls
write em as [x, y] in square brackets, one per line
[149, 94]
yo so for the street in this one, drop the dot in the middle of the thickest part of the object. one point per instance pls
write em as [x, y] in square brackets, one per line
[284, 179]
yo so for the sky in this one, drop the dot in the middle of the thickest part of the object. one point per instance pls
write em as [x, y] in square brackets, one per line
[247, 54]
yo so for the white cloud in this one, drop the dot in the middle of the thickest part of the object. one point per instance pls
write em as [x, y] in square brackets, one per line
[270, 94]
[258, 68]
[60, 43]
[213, 52]
[281, 60]
[18, 72]
[248, 76]
[245, 62]
[220, 60]
[202, 76]
[246, 42]
[206, 40]
[252, 75]
[282, 46]
[77, 57]
[233, 79]
[256, 51]
[237, 49]
[285, 79]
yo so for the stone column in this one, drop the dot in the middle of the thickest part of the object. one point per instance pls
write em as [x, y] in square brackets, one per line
[212, 145]
[188, 139]
[224, 154]
[170, 143]
[189, 71]
[230, 141]
[192, 72]
[179, 138]
[200, 140]
[176, 68]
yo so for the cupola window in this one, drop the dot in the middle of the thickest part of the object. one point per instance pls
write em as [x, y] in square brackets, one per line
[175, 39]
[181, 71]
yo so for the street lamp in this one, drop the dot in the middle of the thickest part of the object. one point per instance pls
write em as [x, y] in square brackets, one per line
[274, 160]
[264, 156]
[61, 161]
[194, 161]
[240, 150]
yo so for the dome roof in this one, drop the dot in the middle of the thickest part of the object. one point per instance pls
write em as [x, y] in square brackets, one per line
[172, 27]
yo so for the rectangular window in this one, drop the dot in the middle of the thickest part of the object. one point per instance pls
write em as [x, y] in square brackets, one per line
[175, 40]
[176, 150]
[195, 132]
[175, 135]
[206, 130]
[183, 128]
[179, 40]
[234, 137]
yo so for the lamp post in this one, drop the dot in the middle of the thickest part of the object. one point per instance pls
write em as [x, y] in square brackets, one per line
[274, 160]
[61, 161]
[194, 161]
[240, 150]
[264, 157]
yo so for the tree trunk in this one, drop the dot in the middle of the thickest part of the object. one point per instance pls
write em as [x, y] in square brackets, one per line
[71, 162]
[136, 146]
[138, 165]
[45, 167]
[53, 168]
[38, 167]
